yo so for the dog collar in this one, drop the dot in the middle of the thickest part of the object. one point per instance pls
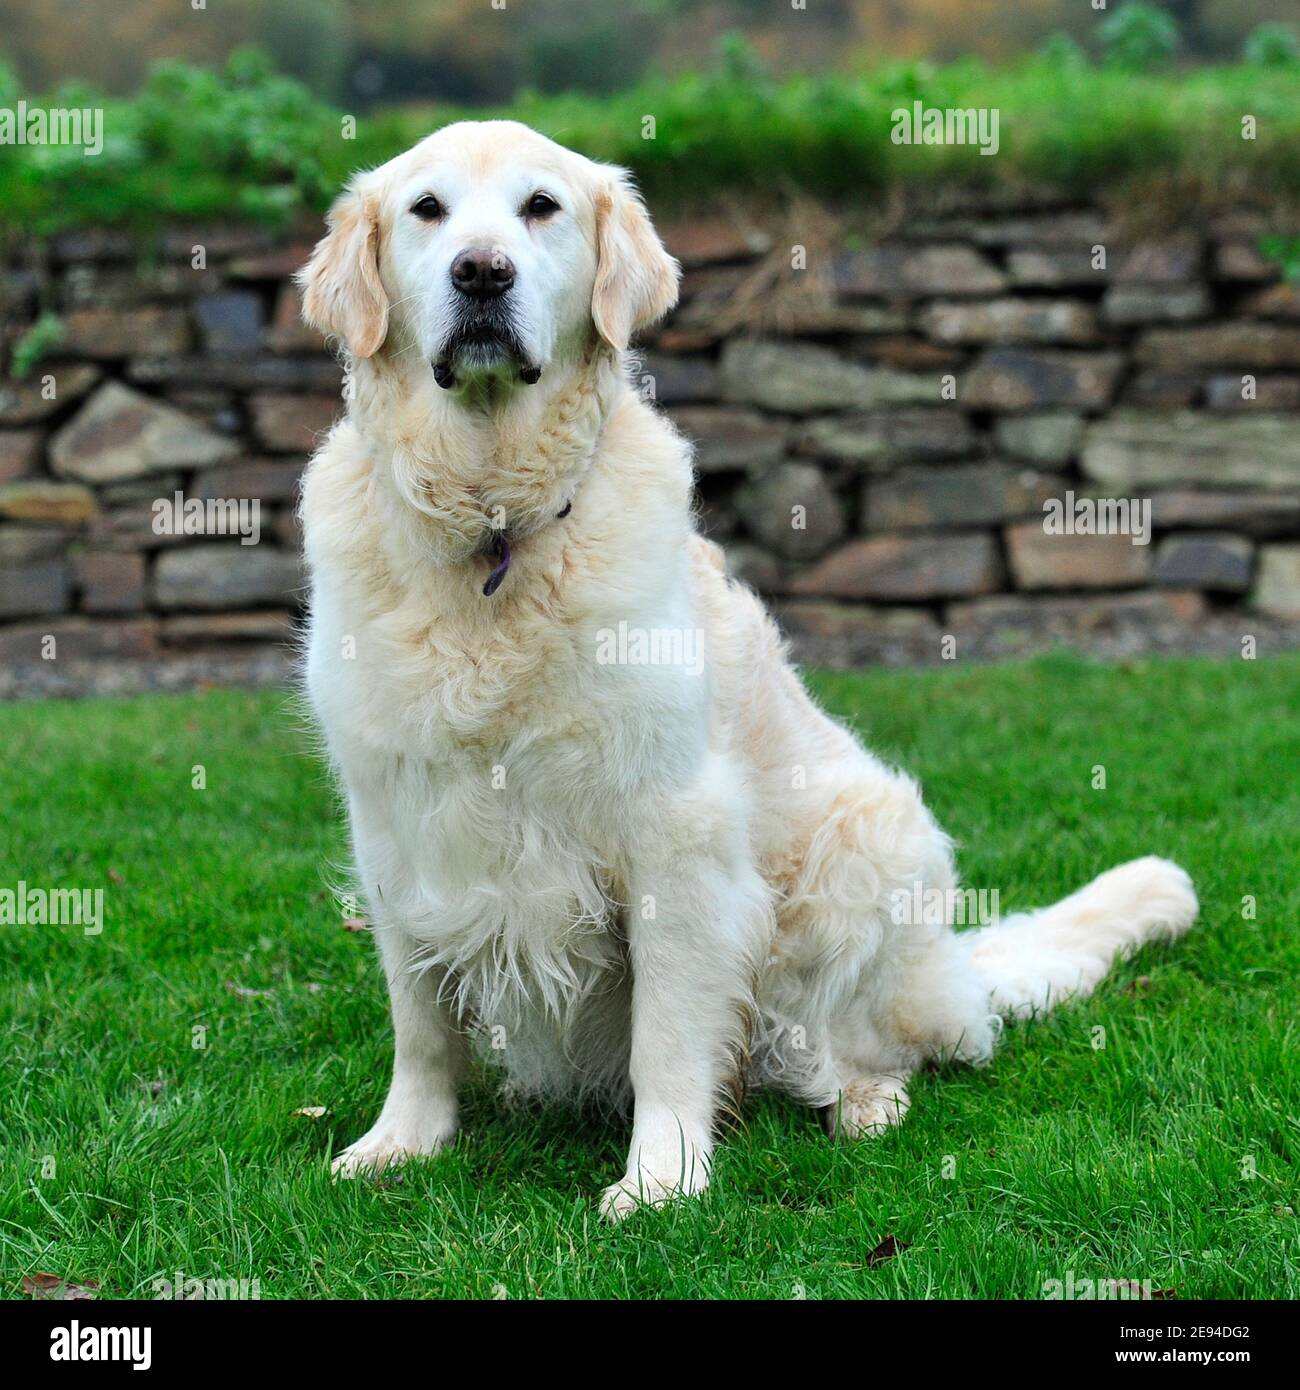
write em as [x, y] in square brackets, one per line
[598, 362]
[502, 555]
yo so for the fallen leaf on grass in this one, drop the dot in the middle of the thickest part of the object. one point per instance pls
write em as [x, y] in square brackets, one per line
[886, 1250]
[54, 1286]
[1130, 1288]
[115, 877]
[312, 1112]
[1138, 986]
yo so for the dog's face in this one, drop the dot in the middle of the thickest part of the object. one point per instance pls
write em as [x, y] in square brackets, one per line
[487, 251]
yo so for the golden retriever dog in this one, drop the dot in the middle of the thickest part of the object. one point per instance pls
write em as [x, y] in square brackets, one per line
[601, 829]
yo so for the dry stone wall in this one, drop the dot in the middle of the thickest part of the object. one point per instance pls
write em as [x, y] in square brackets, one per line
[885, 426]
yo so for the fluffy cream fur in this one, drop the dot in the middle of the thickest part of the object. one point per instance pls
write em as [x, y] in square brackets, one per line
[643, 879]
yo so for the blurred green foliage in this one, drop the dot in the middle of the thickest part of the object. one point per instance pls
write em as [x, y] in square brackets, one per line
[34, 343]
[1285, 250]
[1064, 51]
[1140, 37]
[1272, 46]
[246, 142]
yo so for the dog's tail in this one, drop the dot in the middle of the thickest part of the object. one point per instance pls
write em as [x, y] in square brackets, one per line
[1035, 960]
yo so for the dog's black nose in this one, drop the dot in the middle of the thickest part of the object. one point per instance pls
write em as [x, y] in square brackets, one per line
[482, 273]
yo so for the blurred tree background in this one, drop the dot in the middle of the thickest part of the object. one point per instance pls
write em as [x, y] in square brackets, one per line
[377, 52]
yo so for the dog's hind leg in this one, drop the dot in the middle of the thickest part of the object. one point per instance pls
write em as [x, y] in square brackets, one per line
[868, 969]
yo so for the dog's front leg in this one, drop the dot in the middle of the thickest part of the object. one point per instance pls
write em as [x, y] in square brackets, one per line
[699, 923]
[420, 1114]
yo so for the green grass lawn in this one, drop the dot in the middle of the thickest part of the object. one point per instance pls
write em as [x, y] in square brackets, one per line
[1129, 1161]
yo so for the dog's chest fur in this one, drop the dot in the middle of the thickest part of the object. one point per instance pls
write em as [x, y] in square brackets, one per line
[496, 769]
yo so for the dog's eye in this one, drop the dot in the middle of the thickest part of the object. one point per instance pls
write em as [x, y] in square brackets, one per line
[427, 208]
[540, 205]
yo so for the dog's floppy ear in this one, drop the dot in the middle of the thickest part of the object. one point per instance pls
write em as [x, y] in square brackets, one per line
[636, 279]
[342, 293]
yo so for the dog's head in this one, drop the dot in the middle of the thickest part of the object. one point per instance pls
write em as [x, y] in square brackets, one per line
[487, 251]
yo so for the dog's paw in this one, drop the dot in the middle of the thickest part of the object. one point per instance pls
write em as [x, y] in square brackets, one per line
[647, 1184]
[866, 1107]
[640, 1189]
[388, 1146]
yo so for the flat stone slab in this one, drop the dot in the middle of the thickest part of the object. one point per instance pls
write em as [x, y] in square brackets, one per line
[120, 433]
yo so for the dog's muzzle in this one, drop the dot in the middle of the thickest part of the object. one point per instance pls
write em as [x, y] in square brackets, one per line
[484, 337]
[530, 373]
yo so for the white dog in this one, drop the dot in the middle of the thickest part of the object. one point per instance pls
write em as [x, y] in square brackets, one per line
[598, 822]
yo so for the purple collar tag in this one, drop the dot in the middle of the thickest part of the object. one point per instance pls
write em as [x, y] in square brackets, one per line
[501, 550]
